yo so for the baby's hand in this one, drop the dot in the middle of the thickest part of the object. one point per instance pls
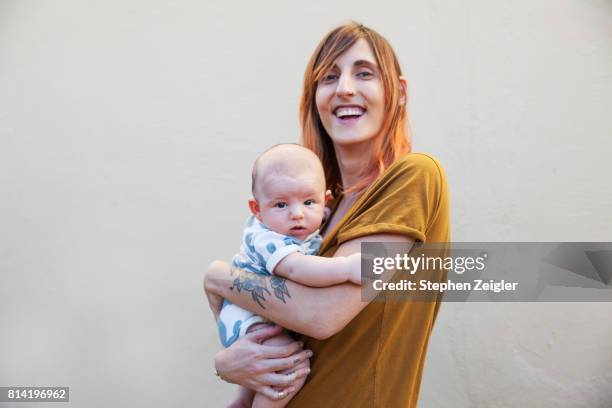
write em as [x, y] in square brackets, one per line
[354, 262]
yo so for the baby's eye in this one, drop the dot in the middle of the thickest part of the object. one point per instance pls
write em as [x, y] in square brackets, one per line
[280, 205]
[308, 202]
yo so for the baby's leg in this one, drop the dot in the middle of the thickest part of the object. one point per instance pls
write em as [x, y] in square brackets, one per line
[260, 400]
[244, 398]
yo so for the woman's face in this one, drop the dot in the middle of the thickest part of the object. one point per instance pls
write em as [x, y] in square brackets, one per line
[350, 97]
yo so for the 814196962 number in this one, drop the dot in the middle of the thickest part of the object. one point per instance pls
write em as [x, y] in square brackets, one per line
[34, 394]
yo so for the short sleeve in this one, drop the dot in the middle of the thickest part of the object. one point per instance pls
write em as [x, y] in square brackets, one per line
[409, 199]
[273, 247]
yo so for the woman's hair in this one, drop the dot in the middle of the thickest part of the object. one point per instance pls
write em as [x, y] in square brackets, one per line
[393, 139]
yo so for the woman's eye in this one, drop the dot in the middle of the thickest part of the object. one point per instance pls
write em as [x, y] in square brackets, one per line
[365, 74]
[280, 205]
[308, 202]
[329, 78]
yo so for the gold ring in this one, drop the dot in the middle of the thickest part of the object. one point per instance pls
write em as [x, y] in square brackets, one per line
[281, 394]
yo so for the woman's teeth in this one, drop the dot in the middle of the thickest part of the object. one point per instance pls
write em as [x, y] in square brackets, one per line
[344, 112]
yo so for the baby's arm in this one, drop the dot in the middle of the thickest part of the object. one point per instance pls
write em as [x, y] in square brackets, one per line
[319, 271]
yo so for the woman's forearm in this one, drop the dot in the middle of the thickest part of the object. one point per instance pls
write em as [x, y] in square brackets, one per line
[315, 312]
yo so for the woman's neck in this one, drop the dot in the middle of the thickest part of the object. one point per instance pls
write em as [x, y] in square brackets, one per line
[351, 160]
[340, 210]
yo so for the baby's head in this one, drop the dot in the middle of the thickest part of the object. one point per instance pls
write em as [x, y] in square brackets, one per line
[289, 190]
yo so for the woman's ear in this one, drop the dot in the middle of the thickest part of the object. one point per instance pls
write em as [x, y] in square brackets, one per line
[328, 196]
[403, 91]
[254, 207]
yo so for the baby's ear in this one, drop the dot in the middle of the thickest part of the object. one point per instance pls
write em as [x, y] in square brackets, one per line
[328, 196]
[254, 207]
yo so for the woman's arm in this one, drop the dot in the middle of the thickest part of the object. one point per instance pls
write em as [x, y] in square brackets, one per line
[315, 312]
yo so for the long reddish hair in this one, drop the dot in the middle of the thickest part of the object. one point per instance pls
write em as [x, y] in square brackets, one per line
[394, 137]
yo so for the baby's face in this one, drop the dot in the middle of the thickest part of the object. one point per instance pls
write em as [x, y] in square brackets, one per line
[291, 204]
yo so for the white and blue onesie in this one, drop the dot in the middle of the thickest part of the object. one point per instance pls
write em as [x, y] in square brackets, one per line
[261, 250]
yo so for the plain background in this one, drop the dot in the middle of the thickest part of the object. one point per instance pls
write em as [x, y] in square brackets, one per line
[127, 132]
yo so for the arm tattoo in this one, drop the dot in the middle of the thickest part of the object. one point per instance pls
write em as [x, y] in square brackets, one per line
[257, 285]
[280, 287]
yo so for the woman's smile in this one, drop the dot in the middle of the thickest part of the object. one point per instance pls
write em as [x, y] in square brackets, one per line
[349, 114]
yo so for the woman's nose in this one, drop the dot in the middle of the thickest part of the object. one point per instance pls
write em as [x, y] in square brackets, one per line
[346, 86]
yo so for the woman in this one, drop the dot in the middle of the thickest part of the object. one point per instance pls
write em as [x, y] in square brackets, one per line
[353, 116]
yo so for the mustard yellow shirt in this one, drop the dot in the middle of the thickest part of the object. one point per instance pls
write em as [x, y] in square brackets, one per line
[377, 359]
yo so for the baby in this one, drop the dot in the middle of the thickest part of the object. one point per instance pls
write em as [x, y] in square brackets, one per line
[282, 238]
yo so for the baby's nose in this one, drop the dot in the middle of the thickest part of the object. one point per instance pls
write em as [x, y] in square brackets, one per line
[296, 212]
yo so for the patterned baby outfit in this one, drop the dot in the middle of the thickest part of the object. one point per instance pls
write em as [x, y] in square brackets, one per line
[261, 250]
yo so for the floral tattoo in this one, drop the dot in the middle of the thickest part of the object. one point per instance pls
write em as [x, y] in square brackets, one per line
[258, 286]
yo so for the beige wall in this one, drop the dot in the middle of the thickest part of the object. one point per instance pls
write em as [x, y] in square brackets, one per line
[127, 131]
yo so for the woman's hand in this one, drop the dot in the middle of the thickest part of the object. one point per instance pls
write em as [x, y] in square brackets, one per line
[253, 365]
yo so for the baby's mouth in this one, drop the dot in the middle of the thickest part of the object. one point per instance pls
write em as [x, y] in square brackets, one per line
[297, 229]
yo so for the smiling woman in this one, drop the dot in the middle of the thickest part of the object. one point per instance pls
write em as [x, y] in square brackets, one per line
[354, 68]
[366, 354]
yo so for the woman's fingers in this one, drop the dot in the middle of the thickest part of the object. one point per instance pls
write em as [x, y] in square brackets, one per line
[287, 363]
[258, 336]
[275, 394]
[281, 351]
[280, 380]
